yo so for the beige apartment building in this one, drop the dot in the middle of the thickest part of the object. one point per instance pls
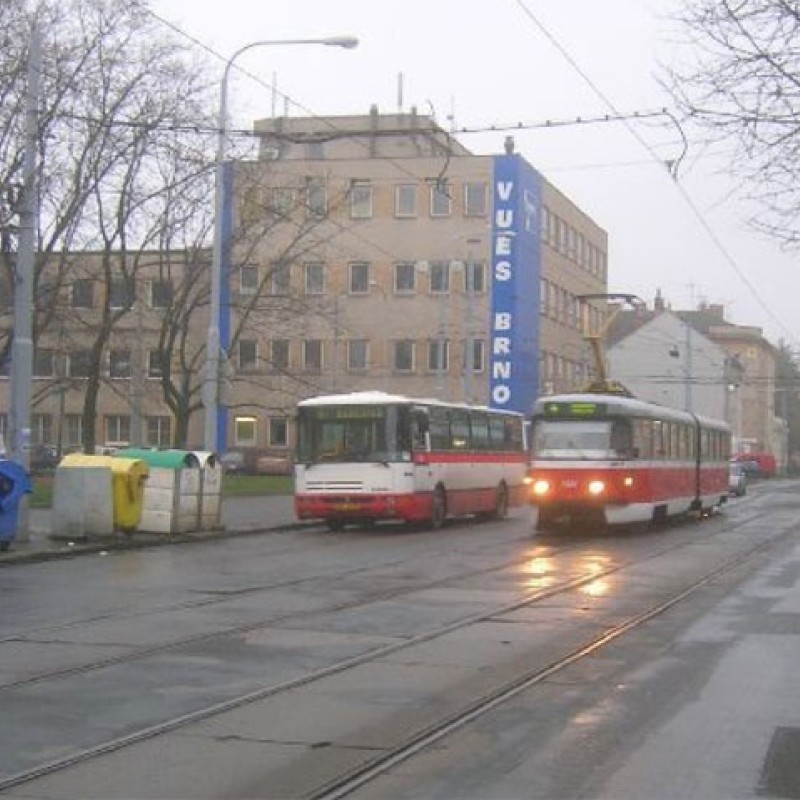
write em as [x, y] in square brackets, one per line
[396, 282]
[364, 252]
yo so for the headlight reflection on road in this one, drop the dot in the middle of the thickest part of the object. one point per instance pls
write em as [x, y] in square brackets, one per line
[539, 569]
[595, 564]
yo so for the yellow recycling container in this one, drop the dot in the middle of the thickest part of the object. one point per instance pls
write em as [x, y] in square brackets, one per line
[127, 485]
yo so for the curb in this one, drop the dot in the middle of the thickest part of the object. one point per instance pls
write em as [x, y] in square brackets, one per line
[135, 541]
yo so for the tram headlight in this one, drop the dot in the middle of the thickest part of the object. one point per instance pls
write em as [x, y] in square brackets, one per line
[628, 480]
[541, 487]
[596, 487]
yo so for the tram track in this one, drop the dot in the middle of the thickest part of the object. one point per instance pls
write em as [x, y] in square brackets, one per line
[164, 647]
[430, 735]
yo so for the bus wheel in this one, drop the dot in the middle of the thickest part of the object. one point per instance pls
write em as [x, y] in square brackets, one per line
[438, 508]
[501, 502]
[335, 525]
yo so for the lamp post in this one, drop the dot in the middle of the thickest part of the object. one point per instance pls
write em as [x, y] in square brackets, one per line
[211, 381]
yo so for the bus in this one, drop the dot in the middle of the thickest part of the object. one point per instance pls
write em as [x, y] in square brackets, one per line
[610, 460]
[365, 457]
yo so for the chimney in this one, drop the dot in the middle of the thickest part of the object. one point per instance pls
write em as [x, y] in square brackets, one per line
[658, 302]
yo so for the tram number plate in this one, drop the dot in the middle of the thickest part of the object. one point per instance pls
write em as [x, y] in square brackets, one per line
[346, 506]
[570, 484]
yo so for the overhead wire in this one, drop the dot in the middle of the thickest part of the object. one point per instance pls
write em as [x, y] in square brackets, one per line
[681, 190]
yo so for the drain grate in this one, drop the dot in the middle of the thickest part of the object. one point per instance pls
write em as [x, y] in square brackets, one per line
[780, 775]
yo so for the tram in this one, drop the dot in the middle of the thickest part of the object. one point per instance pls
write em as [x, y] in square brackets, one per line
[613, 460]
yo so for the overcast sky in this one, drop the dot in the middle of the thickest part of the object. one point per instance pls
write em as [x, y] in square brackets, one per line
[487, 63]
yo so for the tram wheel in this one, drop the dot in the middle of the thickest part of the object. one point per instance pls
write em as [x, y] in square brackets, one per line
[438, 508]
[335, 525]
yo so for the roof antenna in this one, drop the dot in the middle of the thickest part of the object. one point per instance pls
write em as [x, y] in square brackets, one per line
[400, 92]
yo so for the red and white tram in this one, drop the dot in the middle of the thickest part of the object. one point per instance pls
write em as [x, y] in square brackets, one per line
[369, 456]
[615, 460]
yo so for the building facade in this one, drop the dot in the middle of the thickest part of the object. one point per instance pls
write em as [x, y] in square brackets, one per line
[698, 361]
[366, 252]
[392, 258]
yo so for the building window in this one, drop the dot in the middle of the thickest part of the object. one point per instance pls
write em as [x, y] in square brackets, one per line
[315, 151]
[359, 278]
[279, 279]
[248, 355]
[312, 355]
[245, 430]
[248, 280]
[44, 359]
[73, 430]
[403, 355]
[118, 429]
[315, 278]
[121, 294]
[41, 428]
[158, 431]
[46, 295]
[79, 364]
[282, 200]
[155, 364]
[360, 200]
[278, 432]
[475, 203]
[440, 277]
[161, 294]
[405, 200]
[438, 352]
[119, 364]
[441, 204]
[405, 275]
[477, 355]
[316, 197]
[83, 293]
[357, 355]
[475, 277]
[279, 355]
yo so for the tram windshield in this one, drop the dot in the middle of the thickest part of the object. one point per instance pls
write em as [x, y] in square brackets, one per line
[581, 439]
[353, 433]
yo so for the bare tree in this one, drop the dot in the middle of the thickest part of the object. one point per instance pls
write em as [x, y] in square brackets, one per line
[738, 78]
[118, 156]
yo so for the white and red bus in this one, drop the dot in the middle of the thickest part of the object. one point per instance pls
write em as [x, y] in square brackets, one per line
[612, 460]
[370, 456]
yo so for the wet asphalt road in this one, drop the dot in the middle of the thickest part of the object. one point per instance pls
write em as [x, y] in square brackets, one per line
[689, 705]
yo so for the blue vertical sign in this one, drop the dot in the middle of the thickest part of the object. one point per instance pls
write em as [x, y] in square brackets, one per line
[516, 269]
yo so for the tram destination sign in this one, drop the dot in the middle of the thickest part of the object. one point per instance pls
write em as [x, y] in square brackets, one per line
[579, 409]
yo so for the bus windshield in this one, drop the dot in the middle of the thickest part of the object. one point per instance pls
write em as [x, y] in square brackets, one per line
[581, 439]
[353, 433]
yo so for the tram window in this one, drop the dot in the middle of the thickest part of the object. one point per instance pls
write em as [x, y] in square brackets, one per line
[621, 439]
[658, 440]
[643, 437]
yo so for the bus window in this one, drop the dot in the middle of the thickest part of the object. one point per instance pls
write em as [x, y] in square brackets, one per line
[459, 430]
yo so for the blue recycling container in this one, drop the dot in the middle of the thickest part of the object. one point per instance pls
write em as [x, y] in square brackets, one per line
[14, 483]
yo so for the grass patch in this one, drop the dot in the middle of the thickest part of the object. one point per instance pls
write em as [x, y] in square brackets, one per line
[232, 486]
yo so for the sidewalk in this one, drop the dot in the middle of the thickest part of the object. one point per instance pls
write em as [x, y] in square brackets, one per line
[240, 515]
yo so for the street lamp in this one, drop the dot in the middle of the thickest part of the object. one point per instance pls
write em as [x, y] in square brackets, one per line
[211, 382]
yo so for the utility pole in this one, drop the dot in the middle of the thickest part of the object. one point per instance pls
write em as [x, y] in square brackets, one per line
[22, 346]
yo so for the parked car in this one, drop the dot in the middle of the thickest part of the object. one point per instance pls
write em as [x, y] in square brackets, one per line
[233, 462]
[44, 458]
[737, 479]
